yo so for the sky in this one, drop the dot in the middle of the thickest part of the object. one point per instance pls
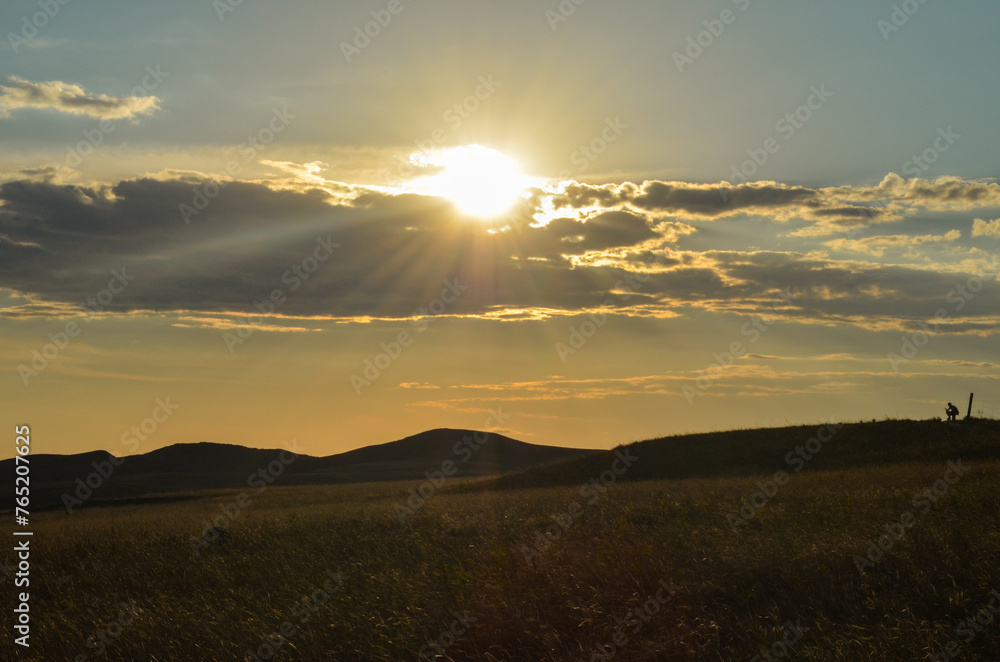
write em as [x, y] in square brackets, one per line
[578, 223]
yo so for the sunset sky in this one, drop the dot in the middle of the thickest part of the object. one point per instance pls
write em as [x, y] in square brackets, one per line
[345, 223]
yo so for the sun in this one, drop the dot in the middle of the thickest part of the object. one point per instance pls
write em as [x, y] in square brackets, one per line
[480, 181]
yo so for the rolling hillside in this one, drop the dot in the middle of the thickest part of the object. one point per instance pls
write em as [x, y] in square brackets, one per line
[880, 550]
[515, 464]
[765, 451]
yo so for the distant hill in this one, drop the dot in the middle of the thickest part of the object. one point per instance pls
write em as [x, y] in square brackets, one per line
[765, 451]
[205, 465]
[510, 464]
[496, 454]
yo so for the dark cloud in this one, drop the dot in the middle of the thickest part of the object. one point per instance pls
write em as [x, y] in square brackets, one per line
[567, 236]
[849, 212]
[823, 290]
[831, 210]
[397, 253]
[685, 199]
[61, 242]
[712, 200]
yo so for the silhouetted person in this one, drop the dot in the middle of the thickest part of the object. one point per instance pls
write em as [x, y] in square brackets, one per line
[952, 412]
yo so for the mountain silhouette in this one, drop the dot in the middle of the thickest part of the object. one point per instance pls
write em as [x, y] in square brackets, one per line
[206, 465]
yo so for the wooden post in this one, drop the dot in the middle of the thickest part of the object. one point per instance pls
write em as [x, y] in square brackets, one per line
[969, 413]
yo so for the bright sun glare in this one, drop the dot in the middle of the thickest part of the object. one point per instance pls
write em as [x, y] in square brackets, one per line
[480, 181]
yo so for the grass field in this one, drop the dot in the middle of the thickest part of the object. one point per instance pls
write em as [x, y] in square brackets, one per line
[627, 567]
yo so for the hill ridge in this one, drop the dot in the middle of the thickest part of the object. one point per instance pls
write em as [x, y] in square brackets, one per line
[764, 451]
[506, 463]
[213, 465]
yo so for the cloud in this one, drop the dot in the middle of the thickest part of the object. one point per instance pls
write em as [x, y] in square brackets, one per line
[61, 243]
[53, 173]
[71, 98]
[964, 364]
[233, 322]
[877, 245]
[686, 200]
[943, 193]
[568, 236]
[826, 211]
[981, 228]
[307, 172]
[397, 253]
[741, 379]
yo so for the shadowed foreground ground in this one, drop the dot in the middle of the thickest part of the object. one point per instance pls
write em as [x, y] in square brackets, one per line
[832, 564]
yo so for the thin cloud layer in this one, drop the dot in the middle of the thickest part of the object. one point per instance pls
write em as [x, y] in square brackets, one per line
[879, 244]
[71, 98]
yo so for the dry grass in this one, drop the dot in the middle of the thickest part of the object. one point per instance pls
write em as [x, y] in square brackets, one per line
[462, 552]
